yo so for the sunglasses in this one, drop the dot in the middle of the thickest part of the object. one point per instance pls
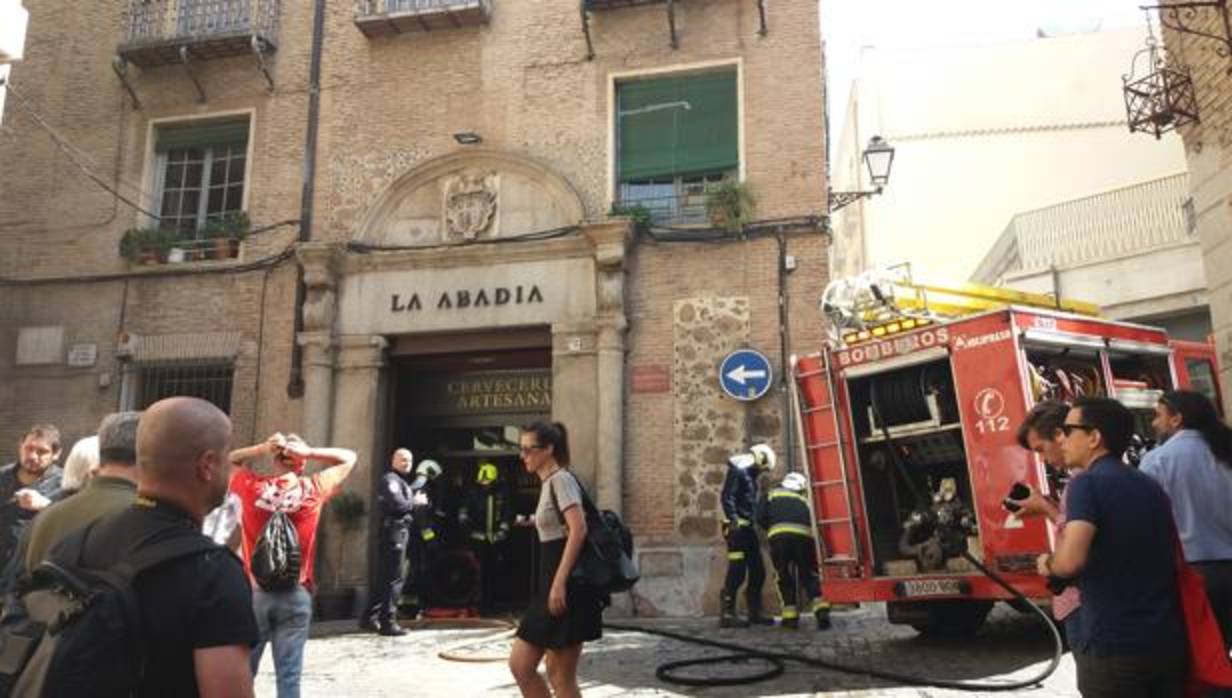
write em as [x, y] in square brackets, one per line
[530, 449]
[1068, 429]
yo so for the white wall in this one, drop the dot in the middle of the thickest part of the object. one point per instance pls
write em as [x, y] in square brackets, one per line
[983, 133]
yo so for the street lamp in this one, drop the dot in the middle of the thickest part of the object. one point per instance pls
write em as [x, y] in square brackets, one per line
[879, 158]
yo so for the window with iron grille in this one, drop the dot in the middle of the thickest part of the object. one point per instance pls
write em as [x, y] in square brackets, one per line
[208, 381]
[201, 172]
[676, 136]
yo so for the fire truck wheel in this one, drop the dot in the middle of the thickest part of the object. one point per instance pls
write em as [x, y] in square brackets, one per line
[956, 618]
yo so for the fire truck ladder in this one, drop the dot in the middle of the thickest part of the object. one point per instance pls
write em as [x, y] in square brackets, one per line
[820, 440]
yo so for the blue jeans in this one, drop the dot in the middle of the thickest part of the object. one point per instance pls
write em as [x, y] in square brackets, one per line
[283, 618]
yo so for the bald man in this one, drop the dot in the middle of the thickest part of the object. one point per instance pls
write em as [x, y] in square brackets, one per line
[196, 611]
[396, 501]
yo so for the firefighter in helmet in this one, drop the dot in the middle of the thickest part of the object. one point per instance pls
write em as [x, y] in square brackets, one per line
[396, 502]
[423, 533]
[739, 499]
[785, 517]
[486, 516]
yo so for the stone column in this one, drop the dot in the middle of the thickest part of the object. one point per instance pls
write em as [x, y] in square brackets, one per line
[318, 371]
[573, 394]
[610, 241]
[609, 475]
[320, 268]
[358, 424]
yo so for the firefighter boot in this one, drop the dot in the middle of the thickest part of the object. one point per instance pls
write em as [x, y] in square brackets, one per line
[821, 611]
[727, 613]
[756, 617]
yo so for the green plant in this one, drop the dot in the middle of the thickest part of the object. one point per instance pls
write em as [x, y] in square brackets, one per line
[132, 242]
[232, 225]
[730, 205]
[348, 509]
[639, 214]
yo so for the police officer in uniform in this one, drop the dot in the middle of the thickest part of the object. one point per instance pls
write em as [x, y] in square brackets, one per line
[396, 501]
[486, 516]
[739, 500]
[785, 517]
[423, 537]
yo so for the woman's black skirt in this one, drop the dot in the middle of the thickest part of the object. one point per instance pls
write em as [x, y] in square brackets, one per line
[583, 617]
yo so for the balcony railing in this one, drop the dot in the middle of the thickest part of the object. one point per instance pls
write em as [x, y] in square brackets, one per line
[386, 17]
[610, 4]
[671, 210]
[158, 29]
[1126, 221]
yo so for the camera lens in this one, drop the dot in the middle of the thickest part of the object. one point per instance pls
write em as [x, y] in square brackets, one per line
[1019, 491]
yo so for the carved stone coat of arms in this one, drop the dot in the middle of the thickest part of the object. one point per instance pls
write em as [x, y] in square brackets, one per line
[470, 205]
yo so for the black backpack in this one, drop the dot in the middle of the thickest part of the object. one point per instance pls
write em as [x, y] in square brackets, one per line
[605, 563]
[69, 630]
[276, 558]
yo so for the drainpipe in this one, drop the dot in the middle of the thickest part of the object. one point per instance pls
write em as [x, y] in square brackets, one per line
[295, 383]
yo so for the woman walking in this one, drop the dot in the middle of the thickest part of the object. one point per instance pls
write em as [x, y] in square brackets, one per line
[561, 616]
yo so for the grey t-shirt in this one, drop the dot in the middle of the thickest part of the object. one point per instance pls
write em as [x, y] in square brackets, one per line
[548, 522]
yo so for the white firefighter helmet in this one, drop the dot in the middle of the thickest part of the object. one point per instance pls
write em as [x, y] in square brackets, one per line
[763, 456]
[794, 482]
[429, 469]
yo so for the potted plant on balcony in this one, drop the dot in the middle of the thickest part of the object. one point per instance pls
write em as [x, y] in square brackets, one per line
[730, 205]
[138, 245]
[226, 233]
[637, 213]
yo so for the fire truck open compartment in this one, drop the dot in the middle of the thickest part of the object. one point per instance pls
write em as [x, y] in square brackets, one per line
[918, 495]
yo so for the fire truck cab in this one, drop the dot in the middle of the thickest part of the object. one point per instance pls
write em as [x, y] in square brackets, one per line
[910, 433]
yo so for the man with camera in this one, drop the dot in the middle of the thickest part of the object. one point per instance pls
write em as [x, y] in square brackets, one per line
[1118, 543]
[1041, 433]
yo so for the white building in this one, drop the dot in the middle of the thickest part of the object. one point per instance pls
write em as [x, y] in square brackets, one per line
[983, 133]
[1134, 251]
[13, 20]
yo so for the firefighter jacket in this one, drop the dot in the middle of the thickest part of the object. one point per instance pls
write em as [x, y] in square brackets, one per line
[486, 515]
[395, 498]
[739, 496]
[785, 512]
[424, 516]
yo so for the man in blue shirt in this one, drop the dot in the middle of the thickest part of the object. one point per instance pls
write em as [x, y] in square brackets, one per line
[1119, 544]
[1194, 466]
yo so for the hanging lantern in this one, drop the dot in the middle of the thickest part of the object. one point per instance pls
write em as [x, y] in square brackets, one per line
[1163, 98]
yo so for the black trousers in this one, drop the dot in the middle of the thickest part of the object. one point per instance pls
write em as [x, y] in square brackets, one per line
[391, 548]
[1217, 578]
[744, 557]
[1152, 675]
[795, 566]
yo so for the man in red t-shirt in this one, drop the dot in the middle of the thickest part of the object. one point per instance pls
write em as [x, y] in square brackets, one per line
[283, 616]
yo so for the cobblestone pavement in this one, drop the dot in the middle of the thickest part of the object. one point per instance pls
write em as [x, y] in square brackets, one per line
[339, 662]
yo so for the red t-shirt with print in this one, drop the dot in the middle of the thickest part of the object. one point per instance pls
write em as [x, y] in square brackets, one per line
[299, 497]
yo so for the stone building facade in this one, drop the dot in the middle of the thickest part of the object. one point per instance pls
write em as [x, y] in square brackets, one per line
[1208, 150]
[461, 256]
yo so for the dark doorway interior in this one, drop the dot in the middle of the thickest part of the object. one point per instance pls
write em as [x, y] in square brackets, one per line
[464, 409]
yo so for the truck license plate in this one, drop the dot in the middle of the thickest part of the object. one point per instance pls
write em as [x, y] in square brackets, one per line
[931, 587]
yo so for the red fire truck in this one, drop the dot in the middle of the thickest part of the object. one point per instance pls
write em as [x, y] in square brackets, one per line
[909, 421]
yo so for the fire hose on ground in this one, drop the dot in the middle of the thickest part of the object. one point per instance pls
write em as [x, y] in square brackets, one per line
[740, 654]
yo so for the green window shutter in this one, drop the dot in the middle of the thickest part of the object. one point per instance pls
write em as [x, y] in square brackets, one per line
[660, 138]
[202, 135]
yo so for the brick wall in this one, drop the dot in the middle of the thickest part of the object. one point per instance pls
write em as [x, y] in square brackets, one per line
[388, 104]
[1208, 148]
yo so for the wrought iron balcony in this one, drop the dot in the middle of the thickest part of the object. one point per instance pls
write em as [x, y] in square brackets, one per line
[609, 4]
[158, 30]
[387, 17]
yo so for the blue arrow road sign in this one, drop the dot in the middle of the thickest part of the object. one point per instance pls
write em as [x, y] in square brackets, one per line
[745, 374]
